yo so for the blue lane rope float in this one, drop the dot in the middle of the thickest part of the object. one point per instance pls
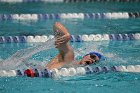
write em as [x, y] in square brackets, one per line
[113, 15]
[74, 38]
[63, 72]
[66, 1]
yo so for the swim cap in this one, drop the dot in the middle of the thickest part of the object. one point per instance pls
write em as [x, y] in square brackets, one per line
[101, 57]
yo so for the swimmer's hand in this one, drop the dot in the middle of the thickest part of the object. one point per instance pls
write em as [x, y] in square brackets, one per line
[61, 40]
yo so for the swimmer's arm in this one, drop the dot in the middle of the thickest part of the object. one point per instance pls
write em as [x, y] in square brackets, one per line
[58, 62]
[59, 26]
[63, 47]
[74, 64]
[63, 39]
[53, 61]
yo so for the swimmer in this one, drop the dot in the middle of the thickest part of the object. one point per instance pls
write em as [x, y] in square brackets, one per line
[66, 53]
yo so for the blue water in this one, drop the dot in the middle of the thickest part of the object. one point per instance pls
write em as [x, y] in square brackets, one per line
[117, 52]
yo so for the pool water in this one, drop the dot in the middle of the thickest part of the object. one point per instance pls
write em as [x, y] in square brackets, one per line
[116, 52]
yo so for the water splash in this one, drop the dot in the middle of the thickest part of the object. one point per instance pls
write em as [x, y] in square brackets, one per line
[21, 56]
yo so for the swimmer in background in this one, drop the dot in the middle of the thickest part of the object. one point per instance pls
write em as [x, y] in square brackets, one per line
[66, 53]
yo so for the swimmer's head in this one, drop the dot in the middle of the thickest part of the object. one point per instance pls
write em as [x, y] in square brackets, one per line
[91, 58]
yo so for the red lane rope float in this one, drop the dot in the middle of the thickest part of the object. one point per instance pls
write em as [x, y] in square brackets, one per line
[29, 73]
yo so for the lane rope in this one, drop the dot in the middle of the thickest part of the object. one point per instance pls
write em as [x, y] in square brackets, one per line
[74, 38]
[66, 1]
[113, 15]
[64, 72]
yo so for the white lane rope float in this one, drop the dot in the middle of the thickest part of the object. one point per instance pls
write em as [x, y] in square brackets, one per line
[74, 38]
[109, 15]
[66, 1]
[64, 72]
